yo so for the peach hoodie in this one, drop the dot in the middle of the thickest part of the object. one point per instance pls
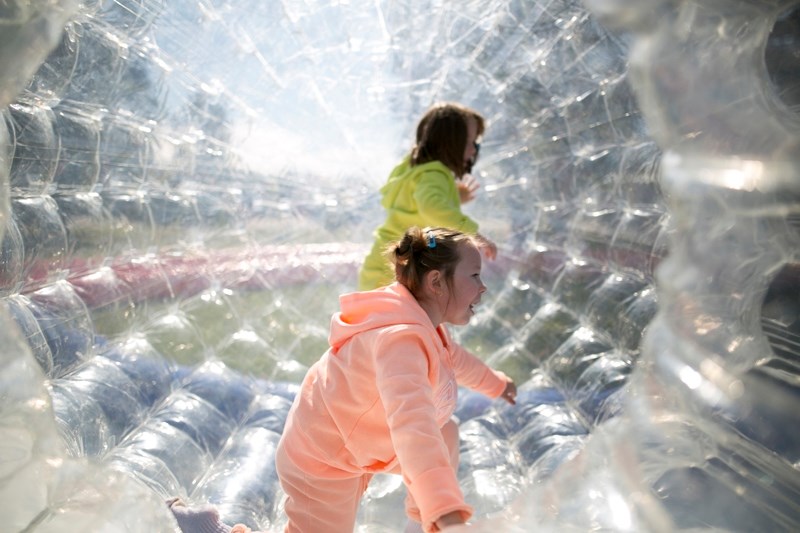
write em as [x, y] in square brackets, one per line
[376, 400]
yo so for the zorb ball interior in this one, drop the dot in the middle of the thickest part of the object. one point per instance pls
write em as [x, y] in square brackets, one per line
[187, 187]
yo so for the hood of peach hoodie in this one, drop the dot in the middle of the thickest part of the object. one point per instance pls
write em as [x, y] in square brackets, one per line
[362, 311]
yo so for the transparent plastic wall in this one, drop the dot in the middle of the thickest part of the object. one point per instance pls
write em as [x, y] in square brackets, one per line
[186, 187]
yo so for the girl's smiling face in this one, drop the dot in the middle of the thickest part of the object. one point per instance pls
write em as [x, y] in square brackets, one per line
[466, 288]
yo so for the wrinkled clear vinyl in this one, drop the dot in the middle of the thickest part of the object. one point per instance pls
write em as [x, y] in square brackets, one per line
[187, 187]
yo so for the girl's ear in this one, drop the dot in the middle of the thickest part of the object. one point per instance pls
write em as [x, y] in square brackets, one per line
[434, 282]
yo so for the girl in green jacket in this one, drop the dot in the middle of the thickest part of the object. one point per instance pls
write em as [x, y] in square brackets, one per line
[428, 187]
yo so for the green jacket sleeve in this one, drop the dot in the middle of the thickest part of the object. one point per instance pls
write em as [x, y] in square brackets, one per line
[438, 202]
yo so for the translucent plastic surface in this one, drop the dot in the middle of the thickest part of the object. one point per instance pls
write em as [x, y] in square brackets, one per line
[187, 187]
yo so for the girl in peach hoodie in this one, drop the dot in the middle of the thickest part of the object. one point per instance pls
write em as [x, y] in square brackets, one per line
[380, 400]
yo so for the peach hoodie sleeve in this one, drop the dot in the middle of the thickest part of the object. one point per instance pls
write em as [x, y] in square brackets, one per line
[406, 364]
[474, 374]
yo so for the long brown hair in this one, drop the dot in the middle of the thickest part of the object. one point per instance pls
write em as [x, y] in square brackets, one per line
[442, 135]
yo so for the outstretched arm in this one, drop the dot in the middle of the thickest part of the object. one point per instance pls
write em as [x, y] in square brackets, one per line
[402, 366]
[473, 373]
[437, 204]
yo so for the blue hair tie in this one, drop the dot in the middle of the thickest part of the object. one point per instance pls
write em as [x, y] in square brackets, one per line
[431, 240]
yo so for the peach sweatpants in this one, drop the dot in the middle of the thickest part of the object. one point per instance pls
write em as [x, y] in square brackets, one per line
[315, 504]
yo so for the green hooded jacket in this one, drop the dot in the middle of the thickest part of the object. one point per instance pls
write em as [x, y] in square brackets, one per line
[422, 195]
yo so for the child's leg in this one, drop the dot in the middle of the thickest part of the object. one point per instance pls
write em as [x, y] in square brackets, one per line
[451, 438]
[316, 504]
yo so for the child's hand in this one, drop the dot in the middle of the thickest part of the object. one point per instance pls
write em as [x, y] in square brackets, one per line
[467, 188]
[490, 249]
[510, 394]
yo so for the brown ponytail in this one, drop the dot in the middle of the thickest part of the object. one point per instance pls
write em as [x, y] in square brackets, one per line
[421, 250]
